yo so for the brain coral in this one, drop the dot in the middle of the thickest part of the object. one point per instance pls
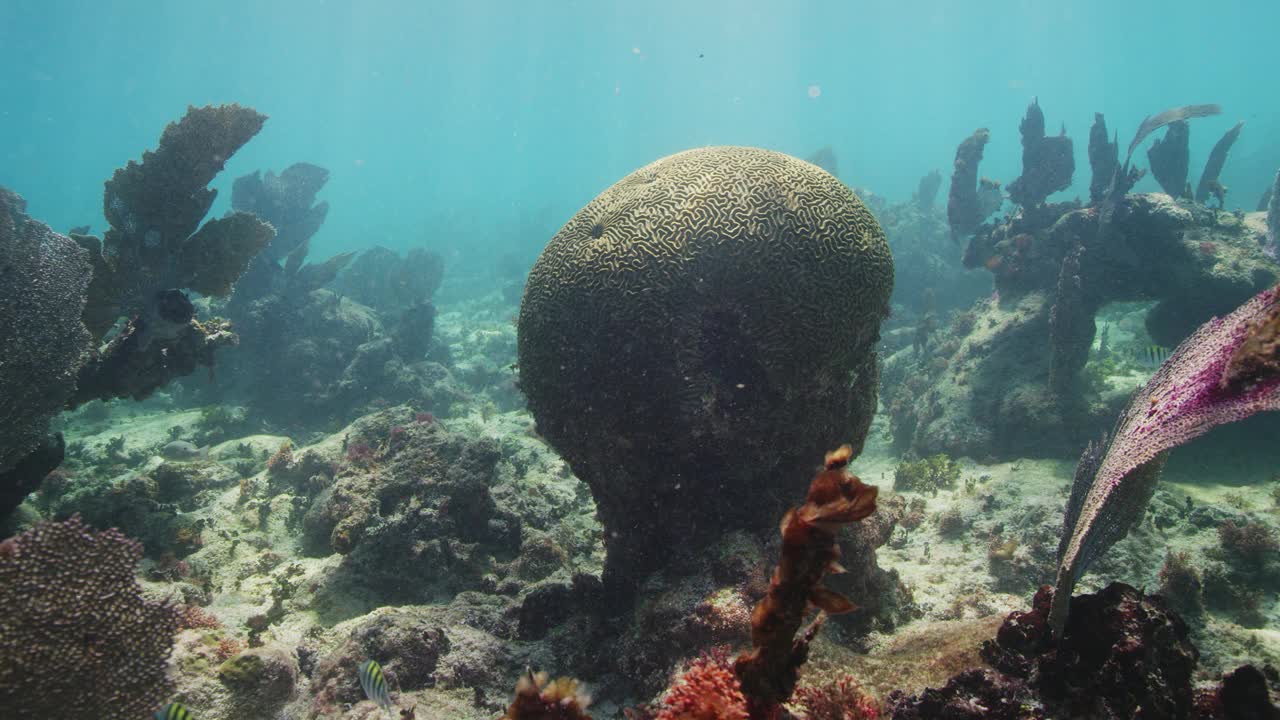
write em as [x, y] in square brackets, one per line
[697, 333]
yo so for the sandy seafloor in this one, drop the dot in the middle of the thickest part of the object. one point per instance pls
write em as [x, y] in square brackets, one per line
[959, 591]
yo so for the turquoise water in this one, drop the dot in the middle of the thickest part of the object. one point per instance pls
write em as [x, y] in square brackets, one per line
[482, 118]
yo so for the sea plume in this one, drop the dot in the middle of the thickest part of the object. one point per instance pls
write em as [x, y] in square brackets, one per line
[1227, 370]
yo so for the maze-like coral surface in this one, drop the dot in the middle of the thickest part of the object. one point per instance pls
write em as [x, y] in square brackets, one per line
[716, 298]
[707, 224]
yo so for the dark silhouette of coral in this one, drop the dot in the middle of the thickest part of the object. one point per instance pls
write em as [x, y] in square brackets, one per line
[1209, 185]
[927, 190]
[77, 636]
[1209, 380]
[825, 158]
[1104, 159]
[705, 310]
[287, 201]
[1170, 157]
[1047, 162]
[43, 278]
[964, 206]
[155, 207]
[390, 283]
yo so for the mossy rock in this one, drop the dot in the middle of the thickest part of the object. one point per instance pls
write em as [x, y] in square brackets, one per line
[243, 670]
[927, 475]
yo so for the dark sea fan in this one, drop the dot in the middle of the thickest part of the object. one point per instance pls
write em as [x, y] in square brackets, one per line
[1153, 123]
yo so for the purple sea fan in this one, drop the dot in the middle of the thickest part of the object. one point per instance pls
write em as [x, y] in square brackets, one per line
[1227, 370]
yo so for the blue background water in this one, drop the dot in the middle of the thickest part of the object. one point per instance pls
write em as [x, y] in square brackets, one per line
[485, 123]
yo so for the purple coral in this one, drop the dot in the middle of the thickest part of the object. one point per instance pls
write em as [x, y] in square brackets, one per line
[77, 638]
[1226, 371]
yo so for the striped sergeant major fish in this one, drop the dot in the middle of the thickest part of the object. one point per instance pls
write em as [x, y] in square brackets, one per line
[374, 683]
[1151, 356]
[173, 711]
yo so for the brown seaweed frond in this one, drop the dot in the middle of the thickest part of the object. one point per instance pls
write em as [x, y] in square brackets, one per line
[768, 673]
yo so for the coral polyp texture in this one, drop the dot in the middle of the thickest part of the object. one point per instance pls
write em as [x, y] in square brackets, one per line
[77, 637]
[706, 311]
[43, 277]
[1226, 371]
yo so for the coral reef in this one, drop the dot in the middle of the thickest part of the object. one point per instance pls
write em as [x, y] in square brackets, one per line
[1010, 383]
[77, 637]
[965, 211]
[412, 515]
[1220, 374]
[1047, 162]
[155, 247]
[710, 337]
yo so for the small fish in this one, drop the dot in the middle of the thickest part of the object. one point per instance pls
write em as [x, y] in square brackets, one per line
[183, 450]
[375, 683]
[173, 711]
[1151, 356]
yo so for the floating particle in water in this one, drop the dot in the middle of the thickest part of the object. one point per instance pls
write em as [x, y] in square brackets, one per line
[635, 51]
[815, 91]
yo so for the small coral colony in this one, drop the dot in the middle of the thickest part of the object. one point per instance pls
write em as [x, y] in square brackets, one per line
[599, 470]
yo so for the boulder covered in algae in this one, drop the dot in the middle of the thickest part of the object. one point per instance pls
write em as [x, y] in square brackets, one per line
[711, 318]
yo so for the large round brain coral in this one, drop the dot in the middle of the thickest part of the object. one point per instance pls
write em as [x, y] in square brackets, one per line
[695, 335]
